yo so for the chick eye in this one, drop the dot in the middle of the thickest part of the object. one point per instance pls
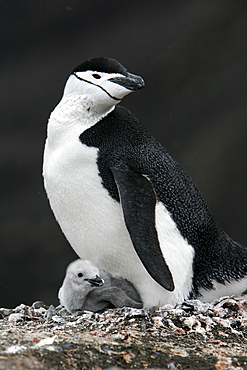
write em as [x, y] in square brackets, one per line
[80, 274]
[95, 75]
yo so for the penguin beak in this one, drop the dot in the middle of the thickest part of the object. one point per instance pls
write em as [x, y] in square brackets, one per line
[130, 82]
[97, 281]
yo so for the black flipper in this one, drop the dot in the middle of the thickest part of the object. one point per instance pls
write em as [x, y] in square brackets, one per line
[138, 202]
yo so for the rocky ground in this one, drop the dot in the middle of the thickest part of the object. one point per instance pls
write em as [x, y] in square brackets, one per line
[194, 335]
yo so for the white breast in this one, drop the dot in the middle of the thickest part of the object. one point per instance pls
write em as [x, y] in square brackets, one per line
[93, 222]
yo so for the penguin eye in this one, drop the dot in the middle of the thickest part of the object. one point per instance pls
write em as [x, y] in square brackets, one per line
[95, 75]
[80, 274]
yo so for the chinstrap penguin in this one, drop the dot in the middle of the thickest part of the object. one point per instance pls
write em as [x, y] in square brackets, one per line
[86, 287]
[124, 203]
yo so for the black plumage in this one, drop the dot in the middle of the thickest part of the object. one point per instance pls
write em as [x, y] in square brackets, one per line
[125, 144]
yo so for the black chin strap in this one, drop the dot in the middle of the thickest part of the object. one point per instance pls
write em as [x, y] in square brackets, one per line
[82, 79]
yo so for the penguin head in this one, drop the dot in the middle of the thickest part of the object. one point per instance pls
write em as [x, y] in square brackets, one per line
[103, 82]
[83, 273]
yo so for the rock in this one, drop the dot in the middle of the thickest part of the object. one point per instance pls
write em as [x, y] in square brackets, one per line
[195, 305]
[20, 309]
[135, 312]
[50, 312]
[39, 304]
[16, 317]
[192, 335]
[6, 311]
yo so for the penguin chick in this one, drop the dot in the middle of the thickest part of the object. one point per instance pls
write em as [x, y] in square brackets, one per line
[86, 287]
[81, 278]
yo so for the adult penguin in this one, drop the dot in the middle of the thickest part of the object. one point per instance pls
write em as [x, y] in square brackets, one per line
[124, 203]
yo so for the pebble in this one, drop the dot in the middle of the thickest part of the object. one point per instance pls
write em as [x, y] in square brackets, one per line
[20, 309]
[195, 305]
[58, 319]
[6, 311]
[15, 349]
[39, 304]
[135, 312]
[50, 312]
[16, 317]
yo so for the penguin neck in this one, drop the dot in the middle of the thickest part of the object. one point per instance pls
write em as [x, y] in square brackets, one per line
[72, 116]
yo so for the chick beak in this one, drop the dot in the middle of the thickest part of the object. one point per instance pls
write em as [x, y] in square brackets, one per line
[97, 281]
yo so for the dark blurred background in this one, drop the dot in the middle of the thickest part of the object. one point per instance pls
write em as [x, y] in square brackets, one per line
[193, 57]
